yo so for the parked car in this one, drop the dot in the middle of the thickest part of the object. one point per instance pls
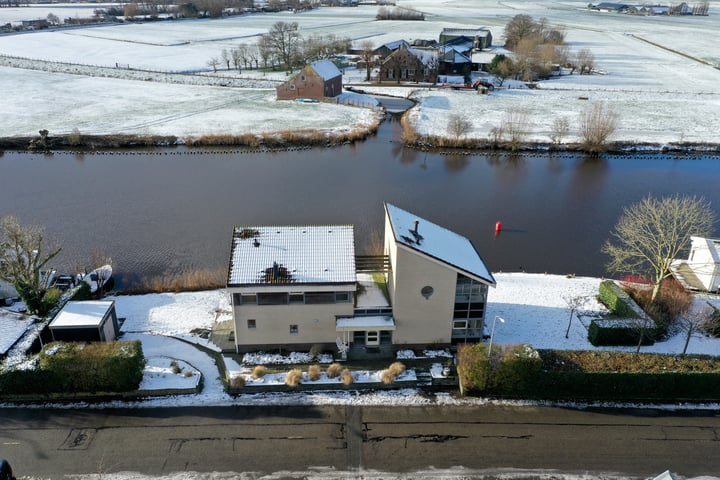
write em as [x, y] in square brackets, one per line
[6, 471]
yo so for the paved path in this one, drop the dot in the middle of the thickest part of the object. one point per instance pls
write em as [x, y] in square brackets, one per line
[263, 440]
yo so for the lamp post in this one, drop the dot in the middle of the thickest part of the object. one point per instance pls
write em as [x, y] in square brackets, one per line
[492, 334]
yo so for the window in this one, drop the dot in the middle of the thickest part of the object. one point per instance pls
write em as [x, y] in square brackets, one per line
[427, 291]
[293, 330]
[314, 298]
[411, 72]
[248, 299]
[342, 297]
[236, 299]
[302, 78]
[272, 298]
[251, 323]
[292, 86]
[297, 298]
[459, 324]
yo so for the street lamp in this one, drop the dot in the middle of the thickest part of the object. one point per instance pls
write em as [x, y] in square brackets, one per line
[492, 333]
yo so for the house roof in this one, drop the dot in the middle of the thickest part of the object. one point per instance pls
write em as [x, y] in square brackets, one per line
[466, 32]
[82, 314]
[712, 244]
[326, 69]
[437, 242]
[303, 254]
[425, 56]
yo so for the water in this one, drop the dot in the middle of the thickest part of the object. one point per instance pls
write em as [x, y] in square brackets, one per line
[170, 211]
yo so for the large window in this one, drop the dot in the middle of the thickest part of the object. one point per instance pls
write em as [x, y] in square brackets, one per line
[314, 298]
[272, 298]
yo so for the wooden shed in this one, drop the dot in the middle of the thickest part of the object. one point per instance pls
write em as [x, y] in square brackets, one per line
[86, 321]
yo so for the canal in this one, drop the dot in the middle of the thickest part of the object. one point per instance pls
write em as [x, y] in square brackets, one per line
[171, 211]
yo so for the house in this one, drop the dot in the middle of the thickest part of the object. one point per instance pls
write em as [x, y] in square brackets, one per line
[438, 283]
[86, 321]
[408, 64]
[315, 81]
[479, 37]
[701, 270]
[302, 286]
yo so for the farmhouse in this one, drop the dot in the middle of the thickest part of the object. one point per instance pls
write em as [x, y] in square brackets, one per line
[86, 321]
[315, 81]
[701, 270]
[302, 286]
[410, 65]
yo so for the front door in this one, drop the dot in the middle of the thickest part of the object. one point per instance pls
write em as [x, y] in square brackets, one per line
[372, 338]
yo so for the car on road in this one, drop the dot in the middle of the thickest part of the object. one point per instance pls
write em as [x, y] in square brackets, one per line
[6, 471]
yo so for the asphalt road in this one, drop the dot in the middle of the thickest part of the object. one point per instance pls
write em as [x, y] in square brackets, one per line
[159, 441]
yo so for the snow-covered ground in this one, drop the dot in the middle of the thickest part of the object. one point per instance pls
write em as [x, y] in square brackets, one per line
[658, 73]
[529, 308]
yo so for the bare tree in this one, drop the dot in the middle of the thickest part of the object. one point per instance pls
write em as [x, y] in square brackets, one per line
[213, 63]
[24, 254]
[367, 54]
[502, 67]
[650, 234]
[237, 57]
[585, 61]
[597, 124]
[226, 57]
[515, 125]
[53, 19]
[283, 39]
[573, 302]
[560, 129]
[458, 126]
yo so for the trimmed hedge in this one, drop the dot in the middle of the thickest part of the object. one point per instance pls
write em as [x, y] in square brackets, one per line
[616, 299]
[78, 368]
[510, 375]
[621, 332]
[605, 376]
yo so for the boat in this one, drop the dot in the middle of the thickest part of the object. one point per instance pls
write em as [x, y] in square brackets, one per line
[98, 277]
[306, 100]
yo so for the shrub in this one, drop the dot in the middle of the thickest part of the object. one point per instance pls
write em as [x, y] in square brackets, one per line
[334, 370]
[315, 350]
[188, 374]
[237, 381]
[175, 367]
[615, 299]
[514, 374]
[347, 377]
[74, 368]
[314, 372]
[259, 371]
[712, 325]
[293, 377]
[391, 373]
[82, 293]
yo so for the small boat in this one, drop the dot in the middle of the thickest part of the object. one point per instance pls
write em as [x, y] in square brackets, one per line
[98, 277]
[306, 100]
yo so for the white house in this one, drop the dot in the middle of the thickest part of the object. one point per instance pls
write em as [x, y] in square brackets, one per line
[302, 286]
[701, 270]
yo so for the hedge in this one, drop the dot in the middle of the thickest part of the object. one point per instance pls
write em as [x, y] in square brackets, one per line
[78, 368]
[599, 376]
[615, 299]
[621, 332]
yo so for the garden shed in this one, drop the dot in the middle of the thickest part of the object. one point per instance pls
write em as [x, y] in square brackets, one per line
[86, 321]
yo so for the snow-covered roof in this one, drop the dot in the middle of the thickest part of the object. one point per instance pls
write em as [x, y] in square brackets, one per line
[425, 56]
[376, 322]
[711, 244]
[326, 69]
[82, 314]
[465, 32]
[437, 242]
[309, 254]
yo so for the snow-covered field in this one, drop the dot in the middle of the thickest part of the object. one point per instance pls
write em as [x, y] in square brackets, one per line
[664, 91]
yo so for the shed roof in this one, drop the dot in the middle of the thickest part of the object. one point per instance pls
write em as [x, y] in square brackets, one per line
[326, 69]
[82, 314]
[304, 254]
[437, 242]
